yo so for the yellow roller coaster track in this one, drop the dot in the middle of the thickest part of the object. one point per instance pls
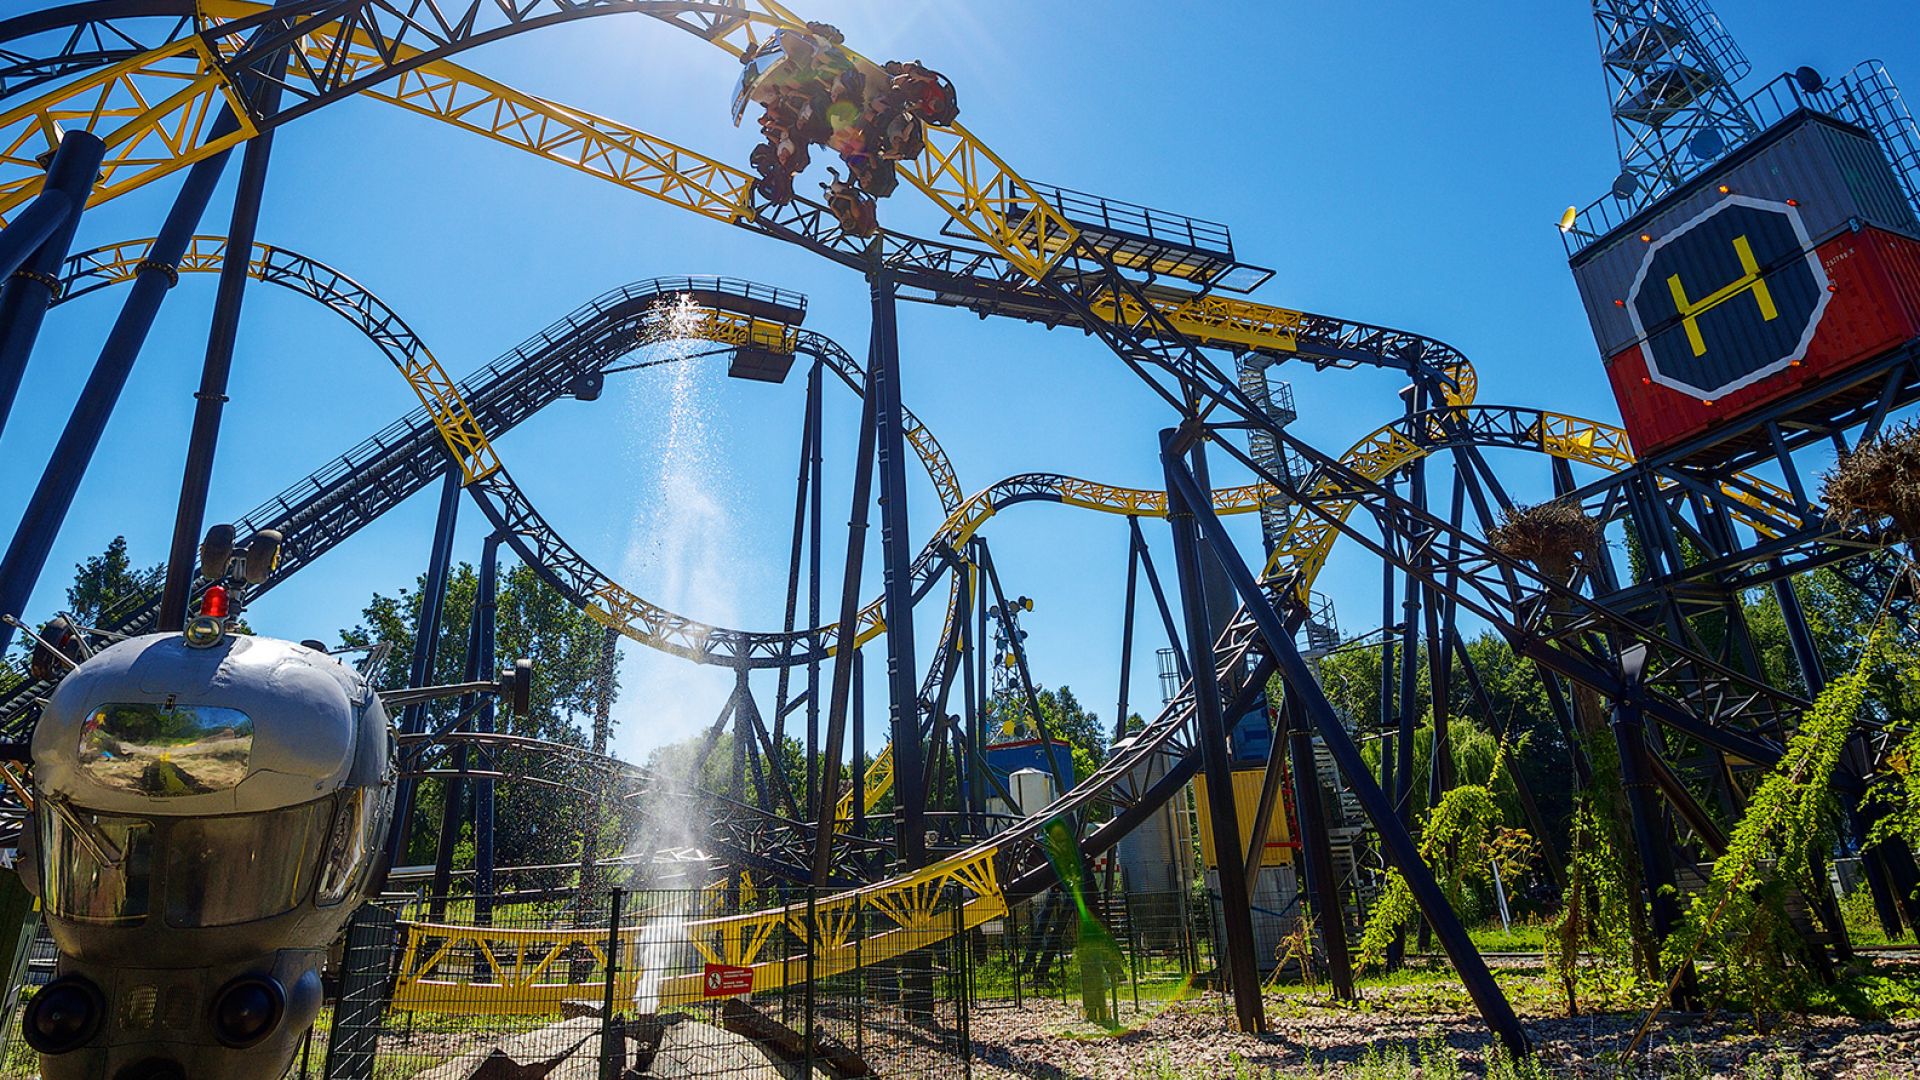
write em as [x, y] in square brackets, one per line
[148, 140]
[613, 605]
[437, 391]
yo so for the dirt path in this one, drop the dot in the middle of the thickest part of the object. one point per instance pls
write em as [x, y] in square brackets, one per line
[1384, 1039]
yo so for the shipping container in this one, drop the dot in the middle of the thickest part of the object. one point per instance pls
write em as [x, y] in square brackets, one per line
[1246, 797]
[1871, 280]
[1782, 272]
[1832, 176]
[1056, 760]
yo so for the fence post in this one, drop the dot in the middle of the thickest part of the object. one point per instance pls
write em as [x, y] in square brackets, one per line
[963, 971]
[860, 968]
[1133, 948]
[361, 1006]
[612, 1037]
[812, 944]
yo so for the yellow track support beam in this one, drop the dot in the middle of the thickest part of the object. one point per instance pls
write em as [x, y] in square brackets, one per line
[472, 970]
[1309, 538]
[437, 391]
[155, 112]
[879, 781]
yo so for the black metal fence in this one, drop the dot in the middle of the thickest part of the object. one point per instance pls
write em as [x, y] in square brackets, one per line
[1127, 954]
[709, 983]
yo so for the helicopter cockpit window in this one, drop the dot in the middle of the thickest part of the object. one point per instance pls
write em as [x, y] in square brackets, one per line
[226, 870]
[167, 750]
[98, 867]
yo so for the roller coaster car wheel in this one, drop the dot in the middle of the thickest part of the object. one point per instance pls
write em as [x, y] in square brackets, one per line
[516, 686]
[261, 556]
[216, 551]
[64, 638]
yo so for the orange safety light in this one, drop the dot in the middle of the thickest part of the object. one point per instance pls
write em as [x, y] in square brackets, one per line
[1646, 238]
[1725, 189]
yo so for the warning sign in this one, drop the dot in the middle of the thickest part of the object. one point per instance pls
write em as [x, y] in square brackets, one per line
[727, 980]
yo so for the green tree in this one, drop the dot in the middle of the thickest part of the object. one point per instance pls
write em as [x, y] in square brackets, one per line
[99, 583]
[103, 580]
[535, 824]
[1516, 705]
[1061, 714]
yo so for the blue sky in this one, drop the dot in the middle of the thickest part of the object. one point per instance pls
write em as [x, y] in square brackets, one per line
[1395, 162]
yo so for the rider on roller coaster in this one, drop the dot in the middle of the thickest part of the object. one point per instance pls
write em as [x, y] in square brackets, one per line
[816, 93]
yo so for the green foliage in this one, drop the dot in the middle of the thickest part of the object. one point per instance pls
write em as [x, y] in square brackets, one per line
[105, 579]
[1461, 839]
[534, 824]
[1520, 708]
[1740, 921]
[1061, 714]
[1895, 792]
[1597, 914]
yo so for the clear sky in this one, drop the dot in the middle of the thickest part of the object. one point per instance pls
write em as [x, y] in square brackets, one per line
[1397, 162]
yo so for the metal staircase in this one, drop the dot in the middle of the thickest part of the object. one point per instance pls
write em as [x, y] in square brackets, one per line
[1346, 825]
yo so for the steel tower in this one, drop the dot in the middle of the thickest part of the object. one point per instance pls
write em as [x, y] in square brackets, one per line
[1670, 70]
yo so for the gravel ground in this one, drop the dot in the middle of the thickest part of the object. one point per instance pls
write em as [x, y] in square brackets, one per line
[1191, 1039]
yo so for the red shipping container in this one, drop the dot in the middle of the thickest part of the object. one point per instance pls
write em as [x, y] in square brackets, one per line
[1875, 307]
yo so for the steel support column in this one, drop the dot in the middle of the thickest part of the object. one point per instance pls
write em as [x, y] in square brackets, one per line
[1126, 639]
[1210, 729]
[30, 283]
[426, 649]
[896, 557]
[47, 508]
[845, 654]
[1410, 662]
[210, 400]
[815, 549]
[1385, 719]
[1649, 828]
[606, 679]
[798, 548]
[1316, 851]
[453, 805]
[1160, 600]
[1401, 850]
[486, 605]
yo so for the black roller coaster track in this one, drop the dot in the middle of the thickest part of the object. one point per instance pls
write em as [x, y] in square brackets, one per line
[346, 494]
[339, 499]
